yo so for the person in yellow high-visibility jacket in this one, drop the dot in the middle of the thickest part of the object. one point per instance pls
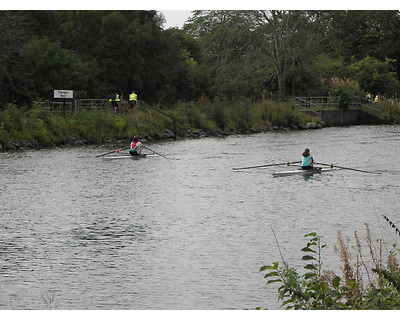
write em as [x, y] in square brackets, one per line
[132, 100]
[114, 100]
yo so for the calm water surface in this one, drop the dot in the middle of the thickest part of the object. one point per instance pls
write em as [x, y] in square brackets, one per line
[189, 232]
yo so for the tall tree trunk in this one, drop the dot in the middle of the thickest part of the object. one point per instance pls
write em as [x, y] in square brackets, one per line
[283, 28]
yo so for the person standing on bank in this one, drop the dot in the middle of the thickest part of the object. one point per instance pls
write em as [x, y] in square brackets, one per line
[136, 147]
[132, 100]
[307, 160]
[114, 100]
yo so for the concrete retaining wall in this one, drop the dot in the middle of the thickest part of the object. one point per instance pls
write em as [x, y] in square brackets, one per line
[350, 117]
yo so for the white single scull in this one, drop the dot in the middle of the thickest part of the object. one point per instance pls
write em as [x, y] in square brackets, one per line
[303, 172]
[128, 157]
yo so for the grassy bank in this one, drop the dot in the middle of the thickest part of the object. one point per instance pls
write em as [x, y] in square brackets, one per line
[41, 127]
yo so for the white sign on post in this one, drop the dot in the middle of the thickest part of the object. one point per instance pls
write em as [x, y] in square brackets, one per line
[66, 94]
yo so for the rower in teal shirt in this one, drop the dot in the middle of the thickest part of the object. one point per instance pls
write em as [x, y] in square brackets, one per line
[307, 160]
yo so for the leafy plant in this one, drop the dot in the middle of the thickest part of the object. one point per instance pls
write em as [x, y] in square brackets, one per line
[345, 90]
[321, 289]
[314, 289]
[376, 76]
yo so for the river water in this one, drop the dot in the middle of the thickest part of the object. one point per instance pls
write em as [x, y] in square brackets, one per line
[188, 232]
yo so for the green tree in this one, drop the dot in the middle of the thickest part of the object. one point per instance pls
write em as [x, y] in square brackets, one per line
[255, 48]
[50, 67]
[131, 50]
[44, 23]
[361, 33]
[186, 77]
[14, 33]
[227, 49]
[374, 76]
[289, 40]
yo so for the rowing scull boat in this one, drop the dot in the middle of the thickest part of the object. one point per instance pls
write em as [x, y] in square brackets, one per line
[303, 172]
[128, 157]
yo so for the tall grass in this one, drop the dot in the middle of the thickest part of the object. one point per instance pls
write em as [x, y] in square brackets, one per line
[390, 111]
[44, 127]
[278, 114]
[368, 282]
[240, 115]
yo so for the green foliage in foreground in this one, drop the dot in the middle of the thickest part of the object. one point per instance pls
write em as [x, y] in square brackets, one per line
[44, 127]
[365, 285]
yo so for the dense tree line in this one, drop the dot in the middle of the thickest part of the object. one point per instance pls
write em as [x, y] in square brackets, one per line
[218, 54]
[94, 53]
[285, 53]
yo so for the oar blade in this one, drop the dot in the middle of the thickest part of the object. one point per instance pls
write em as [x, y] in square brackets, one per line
[346, 168]
[358, 170]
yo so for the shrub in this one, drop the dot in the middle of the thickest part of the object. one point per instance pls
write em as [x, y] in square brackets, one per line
[376, 76]
[345, 90]
[378, 287]
[218, 115]
[240, 116]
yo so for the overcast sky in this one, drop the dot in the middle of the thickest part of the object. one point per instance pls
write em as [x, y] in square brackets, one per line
[180, 5]
[175, 18]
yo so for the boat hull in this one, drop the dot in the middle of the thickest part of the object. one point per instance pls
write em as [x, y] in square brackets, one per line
[127, 157]
[301, 172]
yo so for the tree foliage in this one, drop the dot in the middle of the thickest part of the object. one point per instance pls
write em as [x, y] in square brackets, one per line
[50, 67]
[375, 76]
[219, 54]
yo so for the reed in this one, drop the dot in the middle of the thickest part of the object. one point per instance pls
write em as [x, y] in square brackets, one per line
[342, 250]
[392, 225]
[50, 301]
[367, 282]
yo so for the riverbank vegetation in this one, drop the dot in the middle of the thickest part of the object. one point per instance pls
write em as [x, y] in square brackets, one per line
[40, 127]
[368, 282]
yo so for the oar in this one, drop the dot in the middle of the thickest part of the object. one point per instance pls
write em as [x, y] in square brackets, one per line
[268, 165]
[155, 152]
[118, 150]
[345, 168]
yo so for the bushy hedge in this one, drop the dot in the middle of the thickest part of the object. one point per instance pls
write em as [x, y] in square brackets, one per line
[240, 116]
[40, 125]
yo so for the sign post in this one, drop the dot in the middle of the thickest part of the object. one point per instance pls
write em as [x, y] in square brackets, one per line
[64, 94]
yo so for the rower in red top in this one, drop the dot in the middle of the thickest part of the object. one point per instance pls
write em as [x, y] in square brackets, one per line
[136, 147]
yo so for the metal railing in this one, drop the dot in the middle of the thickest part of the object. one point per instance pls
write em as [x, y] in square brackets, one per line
[73, 106]
[55, 106]
[314, 105]
[91, 104]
